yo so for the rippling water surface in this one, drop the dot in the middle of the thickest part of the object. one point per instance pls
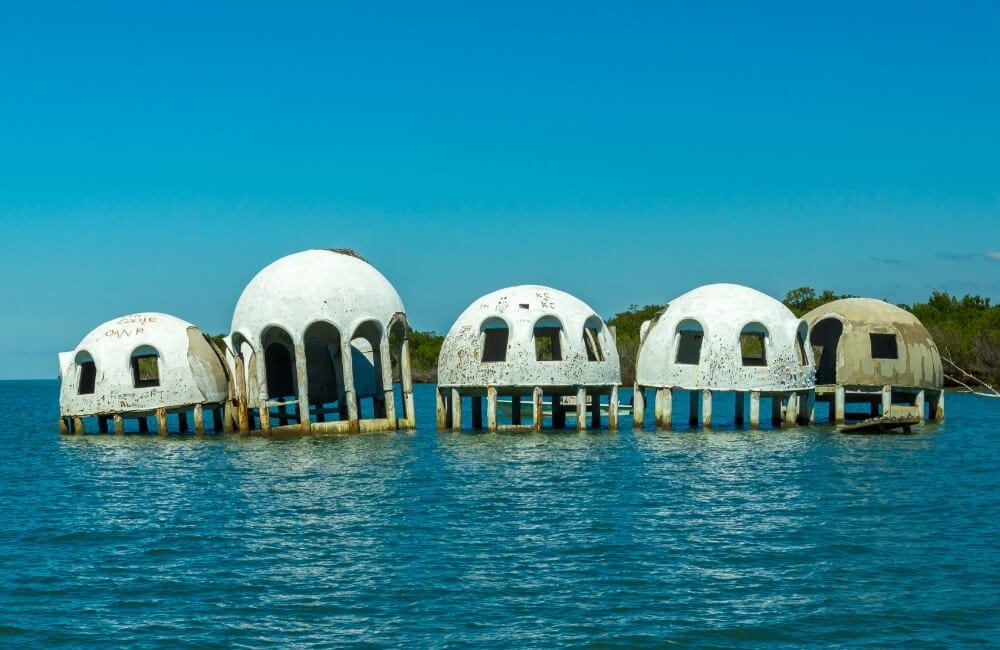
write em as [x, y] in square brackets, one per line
[728, 538]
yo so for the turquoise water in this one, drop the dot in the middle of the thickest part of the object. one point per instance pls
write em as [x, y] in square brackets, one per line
[730, 538]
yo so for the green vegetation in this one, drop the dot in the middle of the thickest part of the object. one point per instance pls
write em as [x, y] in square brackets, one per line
[627, 324]
[424, 350]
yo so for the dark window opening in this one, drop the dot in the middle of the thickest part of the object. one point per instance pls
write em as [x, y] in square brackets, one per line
[145, 371]
[884, 346]
[495, 344]
[88, 378]
[547, 344]
[689, 347]
[592, 342]
[752, 349]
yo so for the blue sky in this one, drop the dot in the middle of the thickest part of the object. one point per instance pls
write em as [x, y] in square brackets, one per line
[155, 158]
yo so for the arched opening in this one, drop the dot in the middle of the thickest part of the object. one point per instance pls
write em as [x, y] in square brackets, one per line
[402, 372]
[87, 378]
[753, 345]
[689, 337]
[592, 338]
[145, 363]
[547, 335]
[800, 343]
[279, 363]
[825, 338]
[366, 362]
[325, 369]
[493, 337]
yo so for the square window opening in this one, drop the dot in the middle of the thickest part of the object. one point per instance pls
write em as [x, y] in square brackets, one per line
[884, 346]
[752, 349]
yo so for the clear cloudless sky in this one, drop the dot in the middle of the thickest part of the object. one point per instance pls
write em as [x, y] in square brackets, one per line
[155, 156]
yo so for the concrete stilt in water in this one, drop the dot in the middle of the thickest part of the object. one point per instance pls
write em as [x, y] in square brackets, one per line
[199, 420]
[477, 412]
[792, 410]
[638, 407]
[78, 426]
[305, 424]
[491, 408]
[161, 421]
[456, 410]
[515, 410]
[693, 399]
[407, 380]
[119, 424]
[581, 409]
[918, 402]
[265, 417]
[442, 410]
[886, 401]
[613, 409]
[738, 418]
[63, 427]
[838, 405]
[665, 397]
[706, 409]
[754, 409]
[937, 405]
[536, 408]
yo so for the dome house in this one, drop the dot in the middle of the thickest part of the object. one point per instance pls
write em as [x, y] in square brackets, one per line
[525, 344]
[725, 338]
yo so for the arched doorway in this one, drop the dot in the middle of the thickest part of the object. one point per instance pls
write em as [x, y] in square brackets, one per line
[825, 338]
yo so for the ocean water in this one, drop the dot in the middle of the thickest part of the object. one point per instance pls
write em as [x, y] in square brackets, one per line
[730, 538]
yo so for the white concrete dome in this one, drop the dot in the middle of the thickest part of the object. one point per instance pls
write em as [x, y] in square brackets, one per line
[528, 336]
[867, 342]
[141, 362]
[337, 287]
[725, 337]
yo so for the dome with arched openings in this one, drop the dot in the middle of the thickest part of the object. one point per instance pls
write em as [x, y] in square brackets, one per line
[336, 286]
[528, 335]
[867, 342]
[725, 337]
[141, 362]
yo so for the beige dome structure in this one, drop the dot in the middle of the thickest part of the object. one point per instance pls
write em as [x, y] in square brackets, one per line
[138, 366]
[310, 345]
[725, 338]
[870, 352]
[524, 344]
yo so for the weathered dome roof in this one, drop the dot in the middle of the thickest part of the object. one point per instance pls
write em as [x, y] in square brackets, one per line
[712, 358]
[315, 285]
[520, 310]
[906, 357]
[191, 370]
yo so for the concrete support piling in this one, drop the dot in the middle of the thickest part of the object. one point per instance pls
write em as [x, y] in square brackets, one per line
[119, 425]
[838, 405]
[886, 401]
[456, 410]
[755, 409]
[581, 409]
[706, 409]
[638, 407]
[161, 422]
[442, 410]
[199, 420]
[792, 410]
[491, 408]
[536, 408]
[613, 409]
